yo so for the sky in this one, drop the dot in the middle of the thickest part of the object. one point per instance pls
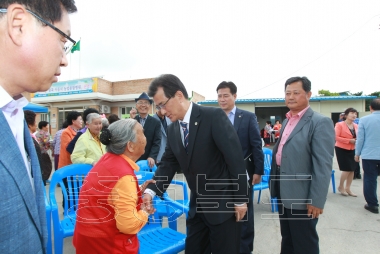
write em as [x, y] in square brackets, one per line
[255, 44]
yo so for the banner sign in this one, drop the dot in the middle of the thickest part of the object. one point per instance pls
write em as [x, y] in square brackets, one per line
[78, 86]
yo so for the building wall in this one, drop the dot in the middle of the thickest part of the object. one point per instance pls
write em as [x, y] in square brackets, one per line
[131, 86]
[328, 107]
[105, 86]
[196, 97]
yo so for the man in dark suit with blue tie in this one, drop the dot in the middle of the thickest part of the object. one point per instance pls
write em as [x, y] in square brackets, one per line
[203, 143]
[245, 124]
[32, 49]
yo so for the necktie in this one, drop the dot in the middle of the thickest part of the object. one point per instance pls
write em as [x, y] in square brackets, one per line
[142, 121]
[185, 134]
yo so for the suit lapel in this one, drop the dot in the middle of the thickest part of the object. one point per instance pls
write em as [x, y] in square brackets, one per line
[195, 120]
[305, 118]
[238, 118]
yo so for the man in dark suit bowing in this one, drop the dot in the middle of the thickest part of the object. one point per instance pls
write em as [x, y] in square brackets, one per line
[203, 143]
[152, 129]
[245, 124]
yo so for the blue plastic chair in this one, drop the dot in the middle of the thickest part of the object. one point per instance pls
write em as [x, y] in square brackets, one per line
[156, 239]
[48, 222]
[153, 237]
[264, 184]
[75, 175]
[144, 166]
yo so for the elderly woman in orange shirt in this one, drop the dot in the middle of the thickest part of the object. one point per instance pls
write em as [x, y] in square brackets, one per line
[345, 136]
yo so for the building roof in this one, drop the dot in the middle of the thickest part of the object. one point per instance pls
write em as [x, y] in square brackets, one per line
[316, 98]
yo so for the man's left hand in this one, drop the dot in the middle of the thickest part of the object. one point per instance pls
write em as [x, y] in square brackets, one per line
[151, 162]
[240, 211]
[256, 179]
[313, 211]
[357, 158]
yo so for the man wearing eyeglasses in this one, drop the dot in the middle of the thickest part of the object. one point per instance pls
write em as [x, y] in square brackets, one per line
[32, 49]
[203, 143]
[152, 128]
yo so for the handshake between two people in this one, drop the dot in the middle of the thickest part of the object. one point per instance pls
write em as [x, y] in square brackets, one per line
[147, 206]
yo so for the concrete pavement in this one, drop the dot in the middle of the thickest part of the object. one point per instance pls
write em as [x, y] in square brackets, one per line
[345, 226]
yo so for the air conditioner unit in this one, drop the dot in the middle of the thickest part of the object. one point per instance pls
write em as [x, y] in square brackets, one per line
[105, 109]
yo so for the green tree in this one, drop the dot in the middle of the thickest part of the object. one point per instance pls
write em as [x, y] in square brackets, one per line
[327, 93]
[368, 101]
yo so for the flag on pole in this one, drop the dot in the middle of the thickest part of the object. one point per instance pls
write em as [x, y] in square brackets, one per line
[76, 47]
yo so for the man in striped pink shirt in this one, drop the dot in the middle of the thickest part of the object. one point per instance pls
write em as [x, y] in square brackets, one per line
[301, 169]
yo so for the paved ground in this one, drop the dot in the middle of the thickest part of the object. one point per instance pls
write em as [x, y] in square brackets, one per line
[345, 226]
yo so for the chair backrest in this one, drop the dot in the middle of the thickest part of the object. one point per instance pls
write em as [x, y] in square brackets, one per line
[143, 176]
[75, 174]
[144, 166]
[267, 164]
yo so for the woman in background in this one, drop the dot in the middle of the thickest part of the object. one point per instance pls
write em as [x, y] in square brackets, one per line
[88, 149]
[30, 118]
[277, 129]
[56, 144]
[43, 138]
[75, 122]
[345, 136]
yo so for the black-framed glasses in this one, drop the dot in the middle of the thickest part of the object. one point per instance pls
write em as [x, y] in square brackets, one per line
[159, 107]
[67, 47]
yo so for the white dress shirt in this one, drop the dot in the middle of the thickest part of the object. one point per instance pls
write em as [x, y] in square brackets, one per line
[186, 119]
[14, 113]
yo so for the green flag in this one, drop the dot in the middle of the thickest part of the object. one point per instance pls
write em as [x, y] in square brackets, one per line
[76, 47]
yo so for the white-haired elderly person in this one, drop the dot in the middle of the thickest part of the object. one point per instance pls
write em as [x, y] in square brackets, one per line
[105, 122]
[111, 211]
[88, 149]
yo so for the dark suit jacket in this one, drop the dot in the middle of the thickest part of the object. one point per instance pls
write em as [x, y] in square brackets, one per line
[22, 210]
[245, 124]
[306, 162]
[152, 132]
[214, 166]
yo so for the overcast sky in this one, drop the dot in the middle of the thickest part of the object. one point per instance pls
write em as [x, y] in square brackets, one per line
[255, 44]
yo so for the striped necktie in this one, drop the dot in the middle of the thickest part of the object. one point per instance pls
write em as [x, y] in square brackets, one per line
[185, 135]
[142, 121]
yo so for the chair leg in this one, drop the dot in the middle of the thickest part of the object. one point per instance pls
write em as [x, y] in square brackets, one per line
[258, 200]
[274, 205]
[58, 245]
[333, 181]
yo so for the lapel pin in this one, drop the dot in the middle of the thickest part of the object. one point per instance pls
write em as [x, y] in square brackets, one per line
[196, 123]
[239, 115]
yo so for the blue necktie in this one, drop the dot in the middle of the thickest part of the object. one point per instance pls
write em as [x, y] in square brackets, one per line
[185, 134]
[142, 121]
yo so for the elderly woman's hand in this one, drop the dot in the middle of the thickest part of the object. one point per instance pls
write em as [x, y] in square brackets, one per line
[145, 184]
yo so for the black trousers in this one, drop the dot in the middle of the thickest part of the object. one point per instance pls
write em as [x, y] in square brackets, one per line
[298, 231]
[248, 226]
[204, 238]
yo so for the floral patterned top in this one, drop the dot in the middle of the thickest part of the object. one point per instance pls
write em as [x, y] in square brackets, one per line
[43, 138]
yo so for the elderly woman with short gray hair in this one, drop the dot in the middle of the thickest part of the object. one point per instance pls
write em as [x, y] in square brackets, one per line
[110, 211]
[88, 149]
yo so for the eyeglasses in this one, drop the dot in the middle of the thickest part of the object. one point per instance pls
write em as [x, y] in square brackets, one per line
[68, 46]
[143, 103]
[159, 107]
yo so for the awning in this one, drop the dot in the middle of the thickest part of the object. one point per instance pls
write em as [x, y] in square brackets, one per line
[36, 108]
